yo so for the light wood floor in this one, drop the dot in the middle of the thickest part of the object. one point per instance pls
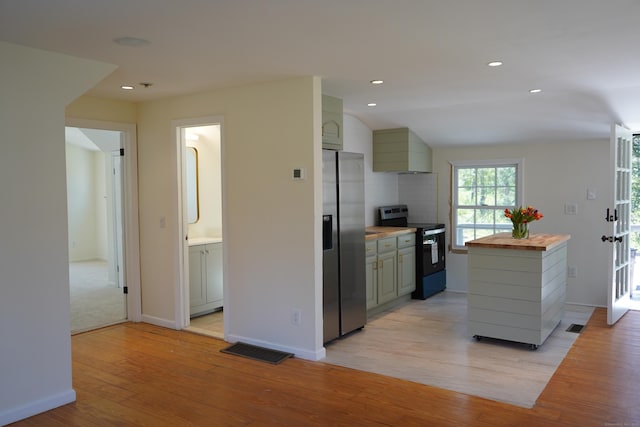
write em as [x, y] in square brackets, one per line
[211, 324]
[426, 341]
[138, 374]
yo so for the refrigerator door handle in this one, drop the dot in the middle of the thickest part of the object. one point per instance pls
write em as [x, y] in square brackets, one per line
[327, 232]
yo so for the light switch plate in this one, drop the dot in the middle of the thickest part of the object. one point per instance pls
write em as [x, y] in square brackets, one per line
[591, 194]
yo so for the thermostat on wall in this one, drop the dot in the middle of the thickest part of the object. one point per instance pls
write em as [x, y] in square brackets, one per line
[298, 173]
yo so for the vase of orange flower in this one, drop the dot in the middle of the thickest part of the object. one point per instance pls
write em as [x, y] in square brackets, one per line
[521, 218]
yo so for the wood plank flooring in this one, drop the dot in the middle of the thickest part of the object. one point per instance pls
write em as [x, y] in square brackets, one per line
[138, 374]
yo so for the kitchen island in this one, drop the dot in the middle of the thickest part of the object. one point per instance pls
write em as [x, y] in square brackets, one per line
[516, 288]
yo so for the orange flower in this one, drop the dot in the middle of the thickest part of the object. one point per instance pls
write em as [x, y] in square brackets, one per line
[523, 215]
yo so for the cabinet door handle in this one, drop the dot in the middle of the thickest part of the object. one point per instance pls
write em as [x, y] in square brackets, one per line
[400, 259]
[380, 264]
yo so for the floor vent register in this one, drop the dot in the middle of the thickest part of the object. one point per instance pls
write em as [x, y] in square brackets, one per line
[575, 328]
[257, 353]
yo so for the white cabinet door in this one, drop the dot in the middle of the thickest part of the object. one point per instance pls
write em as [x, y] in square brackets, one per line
[214, 274]
[197, 277]
[205, 278]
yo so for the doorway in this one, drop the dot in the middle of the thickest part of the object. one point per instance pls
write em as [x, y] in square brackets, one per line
[103, 223]
[94, 228]
[201, 295]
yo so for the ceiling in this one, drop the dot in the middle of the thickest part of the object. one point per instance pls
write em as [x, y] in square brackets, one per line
[93, 139]
[431, 54]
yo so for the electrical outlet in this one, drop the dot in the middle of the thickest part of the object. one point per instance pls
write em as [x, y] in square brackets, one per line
[296, 316]
[572, 271]
[571, 209]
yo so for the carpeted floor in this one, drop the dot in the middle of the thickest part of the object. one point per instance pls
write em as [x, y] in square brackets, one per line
[427, 342]
[94, 302]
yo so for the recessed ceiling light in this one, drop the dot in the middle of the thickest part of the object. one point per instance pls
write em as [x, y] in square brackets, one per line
[377, 82]
[126, 87]
[535, 90]
[131, 41]
[371, 104]
[494, 63]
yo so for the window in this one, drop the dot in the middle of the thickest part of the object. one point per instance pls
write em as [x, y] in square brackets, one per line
[481, 193]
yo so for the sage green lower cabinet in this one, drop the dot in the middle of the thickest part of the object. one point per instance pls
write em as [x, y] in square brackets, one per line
[406, 264]
[205, 278]
[371, 272]
[387, 270]
[390, 269]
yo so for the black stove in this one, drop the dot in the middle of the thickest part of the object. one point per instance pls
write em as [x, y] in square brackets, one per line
[398, 215]
[430, 249]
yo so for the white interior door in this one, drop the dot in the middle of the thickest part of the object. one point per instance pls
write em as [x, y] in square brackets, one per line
[620, 220]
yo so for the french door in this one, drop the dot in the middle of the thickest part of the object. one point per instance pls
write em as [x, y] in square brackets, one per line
[620, 220]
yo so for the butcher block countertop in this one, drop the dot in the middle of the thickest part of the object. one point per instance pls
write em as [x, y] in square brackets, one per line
[535, 242]
[373, 233]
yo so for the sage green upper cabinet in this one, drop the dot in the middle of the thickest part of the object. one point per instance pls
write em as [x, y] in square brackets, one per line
[331, 123]
[400, 150]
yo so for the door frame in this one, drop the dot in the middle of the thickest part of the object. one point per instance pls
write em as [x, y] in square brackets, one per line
[131, 240]
[117, 221]
[181, 290]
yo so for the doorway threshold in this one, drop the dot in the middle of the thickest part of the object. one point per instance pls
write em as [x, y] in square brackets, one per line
[205, 332]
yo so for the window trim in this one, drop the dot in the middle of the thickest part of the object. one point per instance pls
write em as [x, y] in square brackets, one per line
[453, 196]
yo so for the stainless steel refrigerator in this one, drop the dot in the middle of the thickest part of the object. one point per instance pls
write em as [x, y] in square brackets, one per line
[344, 287]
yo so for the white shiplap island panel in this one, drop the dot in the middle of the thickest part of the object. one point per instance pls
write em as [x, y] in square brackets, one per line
[516, 288]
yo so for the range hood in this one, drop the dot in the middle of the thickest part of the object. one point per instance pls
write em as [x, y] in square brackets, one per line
[400, 150]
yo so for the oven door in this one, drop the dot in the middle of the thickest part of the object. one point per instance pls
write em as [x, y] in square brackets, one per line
[433, 251]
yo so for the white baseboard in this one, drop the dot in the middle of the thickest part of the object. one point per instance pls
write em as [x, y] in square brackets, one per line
[158, 321]
[297, 352]
[33, 408]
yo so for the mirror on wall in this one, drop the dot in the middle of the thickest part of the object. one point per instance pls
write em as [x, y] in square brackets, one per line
[193, 206]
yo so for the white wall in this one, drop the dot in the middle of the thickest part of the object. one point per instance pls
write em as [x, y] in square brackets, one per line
[419, 192]
[101, 165]
[381, 188]
[35, 349]
[86, 204]
[272, 224]
[554, 174]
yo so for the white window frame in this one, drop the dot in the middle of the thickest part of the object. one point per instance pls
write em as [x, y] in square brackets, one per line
[518, 163]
